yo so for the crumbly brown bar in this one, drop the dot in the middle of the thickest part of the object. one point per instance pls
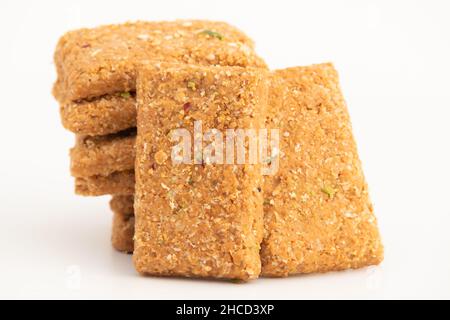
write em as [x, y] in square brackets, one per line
[122, 233]
[122, 204]
[94, 62]
[123, 223]
[103, 155]
[197, 220]
[318, 215]
[100, 116]
[117, 183]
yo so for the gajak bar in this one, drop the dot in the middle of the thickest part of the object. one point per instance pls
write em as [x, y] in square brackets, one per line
[103, 155]
[317, 213]
[122, 204]
[117, 183]
[197, 220]
[122, 232]
[95, 62]
[123, 223]
[100, 116]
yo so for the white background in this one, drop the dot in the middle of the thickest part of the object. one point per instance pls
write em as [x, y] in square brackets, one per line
[393, 58]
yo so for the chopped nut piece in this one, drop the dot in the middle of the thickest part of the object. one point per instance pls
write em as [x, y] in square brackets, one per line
[213, 34]
[187, 106]
[328, 190]
[160, 157]
[211, 57]
[191, 85]
[125, 95]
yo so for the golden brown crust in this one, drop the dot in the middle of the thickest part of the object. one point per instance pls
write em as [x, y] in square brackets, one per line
[123, 223]
[318, 215]
[103, 155]
[117, 183]
[122, 229]
[100, 116]
[197, 220]
[122, 204]
[103, 60]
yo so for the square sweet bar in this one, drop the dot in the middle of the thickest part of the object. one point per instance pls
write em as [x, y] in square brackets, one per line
[197, 220]
[317, 213]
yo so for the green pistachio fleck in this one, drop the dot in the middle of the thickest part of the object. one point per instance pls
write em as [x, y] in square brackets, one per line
[266, 202]
[190, 182]
[191, 85]
[212, 34]
[125, 95]
[328, 191]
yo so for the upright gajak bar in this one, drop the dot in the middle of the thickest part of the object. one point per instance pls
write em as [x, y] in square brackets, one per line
[95, 62]
[103, 155]
[318, 215]
[197, 220]
[123, 223]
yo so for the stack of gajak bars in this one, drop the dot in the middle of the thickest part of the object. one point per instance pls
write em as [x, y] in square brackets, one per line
[123, 89]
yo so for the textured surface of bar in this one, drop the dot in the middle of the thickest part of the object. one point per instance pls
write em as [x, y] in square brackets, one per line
[94, 62]
[117, 183]
[123, 223]
[100, 116]
[103, 155]
[318, 215]
[197, 220]
[122, 204]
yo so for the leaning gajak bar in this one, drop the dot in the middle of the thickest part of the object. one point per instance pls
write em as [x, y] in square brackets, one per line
[94, 62]
[197, 220]
[317, 213]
